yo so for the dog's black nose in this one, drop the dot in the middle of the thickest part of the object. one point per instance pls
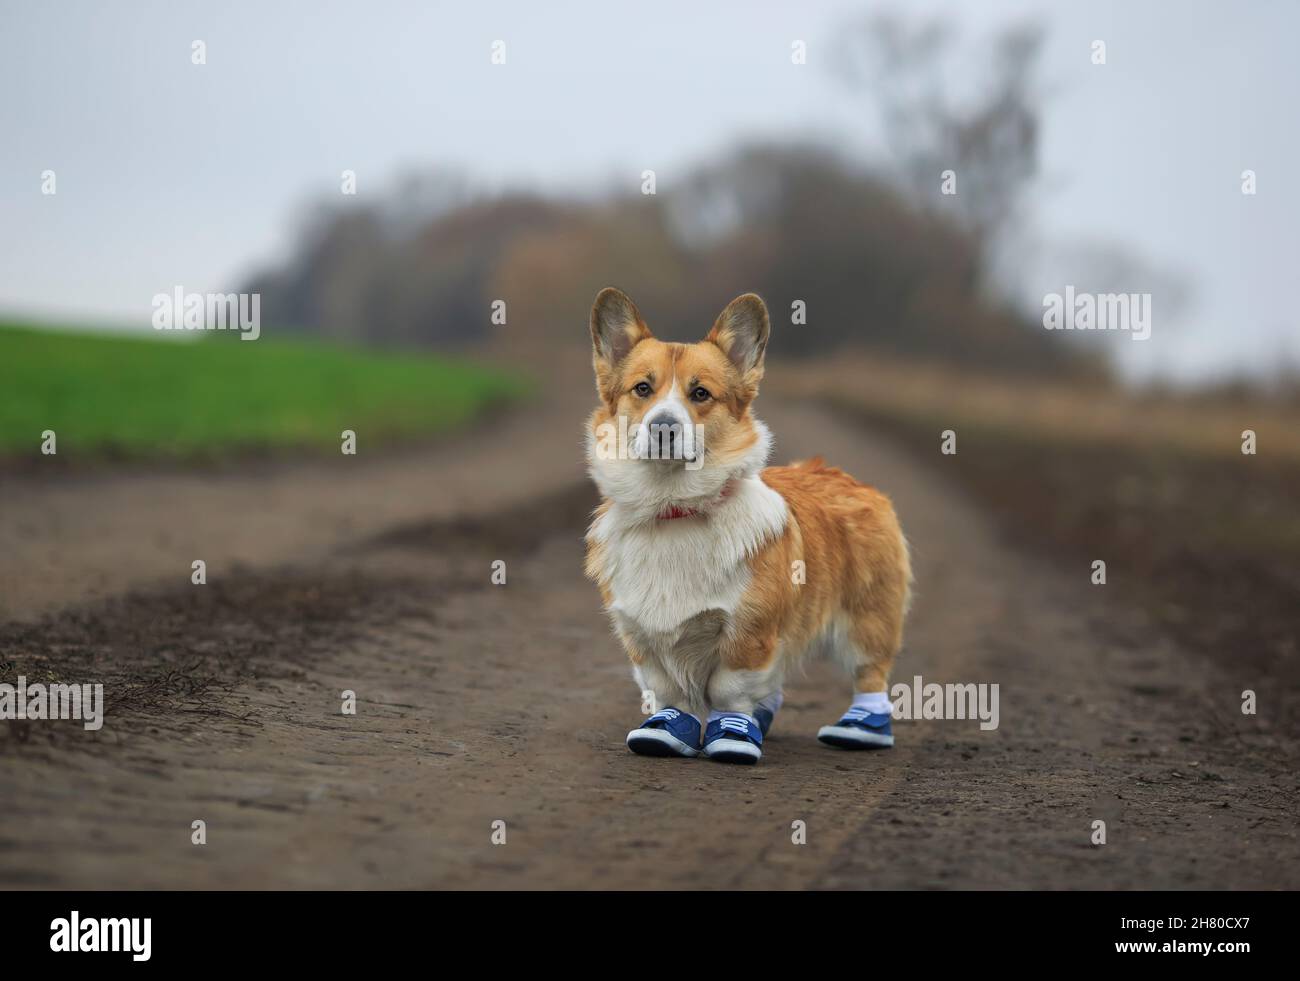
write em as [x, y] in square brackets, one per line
[665, 437]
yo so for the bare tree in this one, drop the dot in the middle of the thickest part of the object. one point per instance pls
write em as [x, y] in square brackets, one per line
[988, 139]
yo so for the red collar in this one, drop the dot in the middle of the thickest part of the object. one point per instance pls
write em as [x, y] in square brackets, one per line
[673, 511]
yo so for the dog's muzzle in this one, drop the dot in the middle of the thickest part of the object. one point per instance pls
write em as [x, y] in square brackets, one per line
[665, 436]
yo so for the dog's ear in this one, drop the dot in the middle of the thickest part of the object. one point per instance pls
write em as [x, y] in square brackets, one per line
[616, 328]
[741, 331]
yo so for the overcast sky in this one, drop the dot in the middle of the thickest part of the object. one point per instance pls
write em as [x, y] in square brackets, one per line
[171, 173]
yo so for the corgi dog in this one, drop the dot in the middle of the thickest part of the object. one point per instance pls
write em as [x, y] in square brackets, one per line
[718, 573]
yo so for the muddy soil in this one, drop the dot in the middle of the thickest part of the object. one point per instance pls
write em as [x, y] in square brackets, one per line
[480, 703]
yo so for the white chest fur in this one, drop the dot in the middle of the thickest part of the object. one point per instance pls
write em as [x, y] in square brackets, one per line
[663, 573]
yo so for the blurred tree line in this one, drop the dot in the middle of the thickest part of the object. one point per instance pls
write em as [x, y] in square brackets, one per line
[877, 256]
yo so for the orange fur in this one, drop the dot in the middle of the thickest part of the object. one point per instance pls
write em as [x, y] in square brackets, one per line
[855, 563]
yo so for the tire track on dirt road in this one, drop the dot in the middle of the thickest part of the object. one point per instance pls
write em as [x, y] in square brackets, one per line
[479, 703]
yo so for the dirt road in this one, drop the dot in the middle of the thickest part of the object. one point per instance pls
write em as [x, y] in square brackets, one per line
[479, 703]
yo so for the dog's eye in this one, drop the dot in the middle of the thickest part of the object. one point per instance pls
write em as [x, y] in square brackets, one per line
[643, 389]
[700, 395]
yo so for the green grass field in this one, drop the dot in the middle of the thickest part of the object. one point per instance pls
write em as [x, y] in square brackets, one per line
[123, 396]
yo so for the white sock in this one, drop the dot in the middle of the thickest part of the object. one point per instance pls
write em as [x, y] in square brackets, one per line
[875, 702]
[772, 702]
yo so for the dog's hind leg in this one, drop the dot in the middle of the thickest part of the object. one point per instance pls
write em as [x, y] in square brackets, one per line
[870, 649]
[867, 647]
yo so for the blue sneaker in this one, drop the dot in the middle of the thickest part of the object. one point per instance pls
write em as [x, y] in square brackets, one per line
[733, 738]
[859, 729]
[669, 732]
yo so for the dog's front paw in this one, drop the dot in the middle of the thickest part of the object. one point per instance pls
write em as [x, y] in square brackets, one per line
[733, 737]
[669, 732]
